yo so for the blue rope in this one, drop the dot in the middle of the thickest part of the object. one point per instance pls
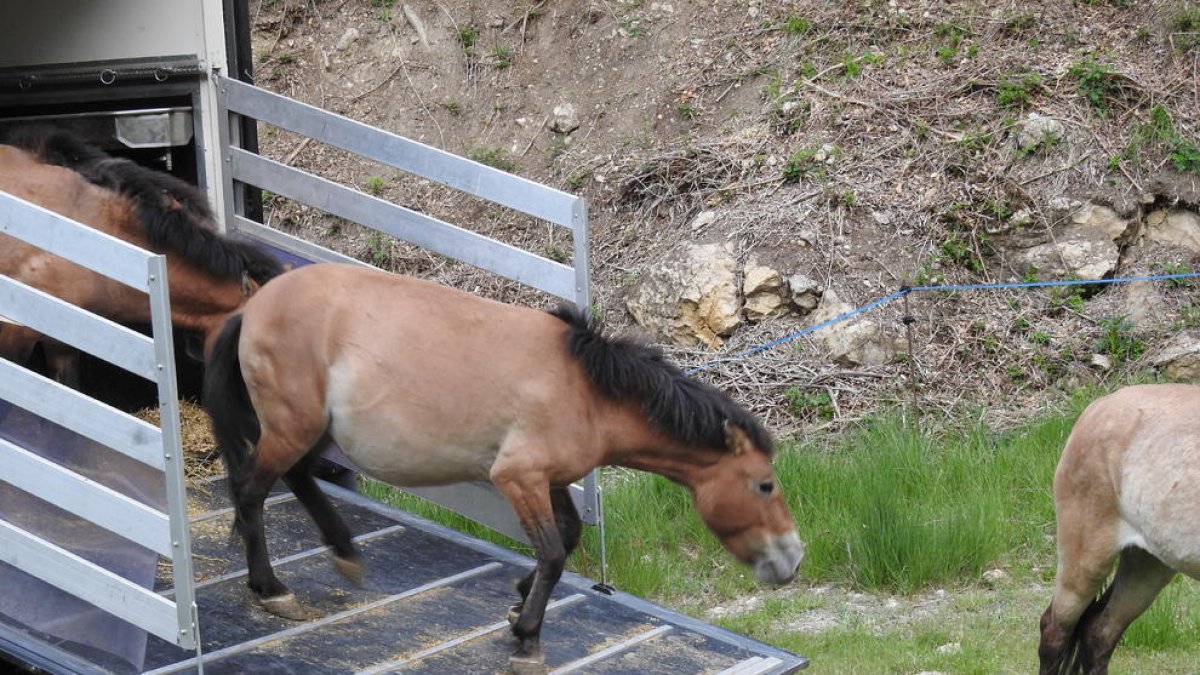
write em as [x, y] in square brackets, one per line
[911, 289]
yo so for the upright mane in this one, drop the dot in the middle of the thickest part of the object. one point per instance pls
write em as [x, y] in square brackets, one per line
[690, 411]
[175, 215]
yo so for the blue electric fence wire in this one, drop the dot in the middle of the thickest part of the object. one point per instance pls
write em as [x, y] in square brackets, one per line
[911, 289]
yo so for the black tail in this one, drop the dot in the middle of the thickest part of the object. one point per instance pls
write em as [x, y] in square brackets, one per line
[1074, 662]
[234, 422]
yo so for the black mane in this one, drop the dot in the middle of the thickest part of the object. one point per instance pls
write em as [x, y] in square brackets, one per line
[175, 215]
[690, 411]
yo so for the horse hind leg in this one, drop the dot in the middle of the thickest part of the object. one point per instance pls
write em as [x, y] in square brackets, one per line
[250, 488]
[1084, 563]
[334, 532]
[1139, 579]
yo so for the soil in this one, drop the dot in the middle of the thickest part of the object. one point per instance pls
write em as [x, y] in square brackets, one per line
[690, 106]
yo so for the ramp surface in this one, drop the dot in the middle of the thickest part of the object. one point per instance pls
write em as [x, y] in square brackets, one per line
[434, 601]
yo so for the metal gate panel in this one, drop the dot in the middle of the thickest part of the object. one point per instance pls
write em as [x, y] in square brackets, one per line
[164, 533]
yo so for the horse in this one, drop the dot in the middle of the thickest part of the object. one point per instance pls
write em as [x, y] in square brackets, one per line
[1127, 488]
[209, 275]
[421, 384]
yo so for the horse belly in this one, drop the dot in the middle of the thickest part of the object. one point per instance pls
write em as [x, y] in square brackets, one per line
[400, 454]
[1160, 508]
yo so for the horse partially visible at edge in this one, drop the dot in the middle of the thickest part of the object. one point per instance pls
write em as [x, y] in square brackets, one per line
[1127, 489]
[209, 275]
[420, 384]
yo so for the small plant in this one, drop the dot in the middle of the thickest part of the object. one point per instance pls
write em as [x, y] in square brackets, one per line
[1099, 83]
[379, 250]
[796, 25]
[686, 110]
[1177, 268]
[494, 157]
[951, 36]
[633, 27]
[501, 56]
[467, 37]
[807, 162]
[383, 3]
[285, 57]
[1039, 337]
[577, 179]
[1183, 27]
[268, 199]
[1185, 156]
[375, 185]
[810, 405]
[1119, 342]
[1016, 91]
[557, 253]
[452, 107]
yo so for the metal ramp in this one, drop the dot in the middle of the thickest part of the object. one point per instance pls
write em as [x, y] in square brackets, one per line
[433, 601]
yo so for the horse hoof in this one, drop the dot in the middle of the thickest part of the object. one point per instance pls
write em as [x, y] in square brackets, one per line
[352, 569]
[514, 613]
[528, 665]
[288, 607]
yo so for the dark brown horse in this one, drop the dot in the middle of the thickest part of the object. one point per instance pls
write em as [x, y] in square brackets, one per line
[1127, 488]
[209, 275]
[420, 384]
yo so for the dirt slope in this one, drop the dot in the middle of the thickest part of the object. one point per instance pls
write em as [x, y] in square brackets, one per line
[684, 106]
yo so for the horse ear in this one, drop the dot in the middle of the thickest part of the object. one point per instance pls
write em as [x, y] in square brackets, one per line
[736, 439]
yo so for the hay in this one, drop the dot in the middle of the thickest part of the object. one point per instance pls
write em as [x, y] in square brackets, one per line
[201, 458]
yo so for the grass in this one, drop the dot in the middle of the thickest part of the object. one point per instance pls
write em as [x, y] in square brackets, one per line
[891, 513]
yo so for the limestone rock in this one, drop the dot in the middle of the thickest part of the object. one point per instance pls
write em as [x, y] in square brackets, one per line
[765, 291]
[1087, 246]
[1038, 130]
[806, 293]
[851, 342]
[1179, 359]
[692, 296]
[564, 119]
[1174, 227]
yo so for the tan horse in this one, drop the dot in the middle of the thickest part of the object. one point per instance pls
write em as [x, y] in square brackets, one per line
[210, 276]
[1127, 487]
[420, 384]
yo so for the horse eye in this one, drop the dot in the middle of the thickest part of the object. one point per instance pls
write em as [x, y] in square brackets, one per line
[766, 487]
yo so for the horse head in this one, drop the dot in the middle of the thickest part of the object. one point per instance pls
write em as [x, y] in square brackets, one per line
[742, 503]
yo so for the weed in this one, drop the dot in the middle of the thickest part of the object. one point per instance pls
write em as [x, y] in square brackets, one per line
[385, 15]
[1189, 316]
[494, 157]
[577, 179]
[1177, 268]
[1019, 22]
[961, 252]
[810, 405]
[1119, 342]
[268, 199]
[1017, 89]
[502, 56]
[1185, 156]
[951, 36]
[633, 27]
[1039, 337]
[375, 185]
[285, 57]
[452, 107]
[686, 110]
[557, 253]
[1099, 83]
[802, 163]
[1183, 27]
[383, 3]
[796, 25]
[379, 250]
[467, 37]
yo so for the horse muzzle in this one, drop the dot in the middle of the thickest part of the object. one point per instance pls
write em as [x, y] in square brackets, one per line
[778, 561]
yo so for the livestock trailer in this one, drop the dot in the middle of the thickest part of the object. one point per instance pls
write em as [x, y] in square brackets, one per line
[112, 562]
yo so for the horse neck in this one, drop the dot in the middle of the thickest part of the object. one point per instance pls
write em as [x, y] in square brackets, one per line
[634, 443]
[199, 301]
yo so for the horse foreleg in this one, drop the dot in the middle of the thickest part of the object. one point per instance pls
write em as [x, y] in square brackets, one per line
[1140, 576]
[531, 500]
[334, 531]
[566, 517]
[63, 362]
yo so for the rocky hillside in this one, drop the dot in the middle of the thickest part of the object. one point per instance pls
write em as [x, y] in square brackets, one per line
[754, 168]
